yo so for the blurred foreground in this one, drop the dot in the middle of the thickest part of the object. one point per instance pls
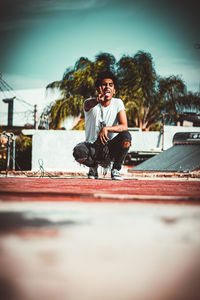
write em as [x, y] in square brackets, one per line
[75, 238]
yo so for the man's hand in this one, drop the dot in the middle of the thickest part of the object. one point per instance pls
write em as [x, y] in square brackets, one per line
[103, 135]
[101, 96]
[92, 102]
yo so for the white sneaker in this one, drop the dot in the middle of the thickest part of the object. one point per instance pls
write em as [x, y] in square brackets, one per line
[93, 174]
[115, 175]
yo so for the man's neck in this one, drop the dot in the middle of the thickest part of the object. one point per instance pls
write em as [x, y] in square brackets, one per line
[106, 103]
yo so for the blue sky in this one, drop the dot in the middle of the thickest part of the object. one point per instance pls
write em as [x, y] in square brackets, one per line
[41, 38]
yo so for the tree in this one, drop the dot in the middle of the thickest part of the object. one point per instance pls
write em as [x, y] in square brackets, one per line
[138, 90]
[23, 152]
[172, 89]
[188, 103]
[77, 84]
[145, 94]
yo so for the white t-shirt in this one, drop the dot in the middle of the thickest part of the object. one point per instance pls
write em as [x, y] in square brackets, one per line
[97, 114]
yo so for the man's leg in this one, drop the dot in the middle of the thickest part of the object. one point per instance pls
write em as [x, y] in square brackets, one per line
[93, 173]
[118, 148]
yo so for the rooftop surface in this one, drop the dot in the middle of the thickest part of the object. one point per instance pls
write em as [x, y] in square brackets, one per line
[75, 238]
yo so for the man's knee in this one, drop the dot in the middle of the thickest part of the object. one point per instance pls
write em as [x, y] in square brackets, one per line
[126, 139]
[126, 144]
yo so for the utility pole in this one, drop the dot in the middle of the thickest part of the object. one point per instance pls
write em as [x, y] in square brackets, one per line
[35, 116]
[10, 102]
[197, 46]
[163, 131]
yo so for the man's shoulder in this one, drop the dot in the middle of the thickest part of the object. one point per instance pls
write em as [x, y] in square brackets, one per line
[117, 105]
[92, 108]
[117, 101]
[114, 98]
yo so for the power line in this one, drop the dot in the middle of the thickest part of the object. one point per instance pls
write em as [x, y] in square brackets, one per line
[9, 89]
[23, 101]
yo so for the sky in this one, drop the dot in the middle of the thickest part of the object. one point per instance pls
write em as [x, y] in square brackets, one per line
[41, 38]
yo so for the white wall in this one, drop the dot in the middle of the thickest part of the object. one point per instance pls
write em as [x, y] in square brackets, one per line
[54, 147]
[169, 132]
[145, 141]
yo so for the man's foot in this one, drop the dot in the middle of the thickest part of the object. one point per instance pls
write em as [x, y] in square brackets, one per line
[115, 175]
[93, 174]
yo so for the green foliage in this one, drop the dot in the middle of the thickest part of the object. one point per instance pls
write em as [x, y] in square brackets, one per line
[171, 89]
[23, 152]
[77, 85]
[71, 106]
[138, 90]
[80, 125]
[2, 160]
[145, 94]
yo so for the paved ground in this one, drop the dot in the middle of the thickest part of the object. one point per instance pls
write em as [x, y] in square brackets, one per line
[74, 238]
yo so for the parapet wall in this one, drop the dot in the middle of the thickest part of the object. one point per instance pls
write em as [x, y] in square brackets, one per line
[52, 149]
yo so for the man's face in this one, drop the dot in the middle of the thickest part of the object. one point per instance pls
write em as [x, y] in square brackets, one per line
[107, 88]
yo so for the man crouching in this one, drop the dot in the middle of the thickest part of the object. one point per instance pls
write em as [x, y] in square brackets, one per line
[106, 130]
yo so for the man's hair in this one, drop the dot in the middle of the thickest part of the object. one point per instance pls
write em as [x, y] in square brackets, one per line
[103, 75]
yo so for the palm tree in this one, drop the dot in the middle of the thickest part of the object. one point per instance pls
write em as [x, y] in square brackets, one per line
[105, 62]
[64, 108]
[188, 103]
[138, 90]
[145, 94]
[172, 90]
[77, 84]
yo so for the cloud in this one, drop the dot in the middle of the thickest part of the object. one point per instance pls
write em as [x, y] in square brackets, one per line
[62, 5]
[16, 14]
[21, 7]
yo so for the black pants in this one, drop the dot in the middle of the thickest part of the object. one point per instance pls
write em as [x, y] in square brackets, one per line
[118, 148]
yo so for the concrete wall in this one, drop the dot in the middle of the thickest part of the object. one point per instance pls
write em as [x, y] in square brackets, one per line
[53, 148]
[145, 141]
[169, 132]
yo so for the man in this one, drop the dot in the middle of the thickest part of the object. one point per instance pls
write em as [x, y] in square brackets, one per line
[106, 123]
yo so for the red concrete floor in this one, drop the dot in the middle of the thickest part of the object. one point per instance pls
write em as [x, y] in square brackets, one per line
[75, 238]
[82, 189]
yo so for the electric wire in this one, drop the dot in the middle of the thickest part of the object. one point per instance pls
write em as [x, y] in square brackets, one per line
[42, 171]
[11, 91]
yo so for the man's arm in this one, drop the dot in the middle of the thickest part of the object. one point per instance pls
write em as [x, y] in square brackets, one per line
[122, 126]
[90, 103]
